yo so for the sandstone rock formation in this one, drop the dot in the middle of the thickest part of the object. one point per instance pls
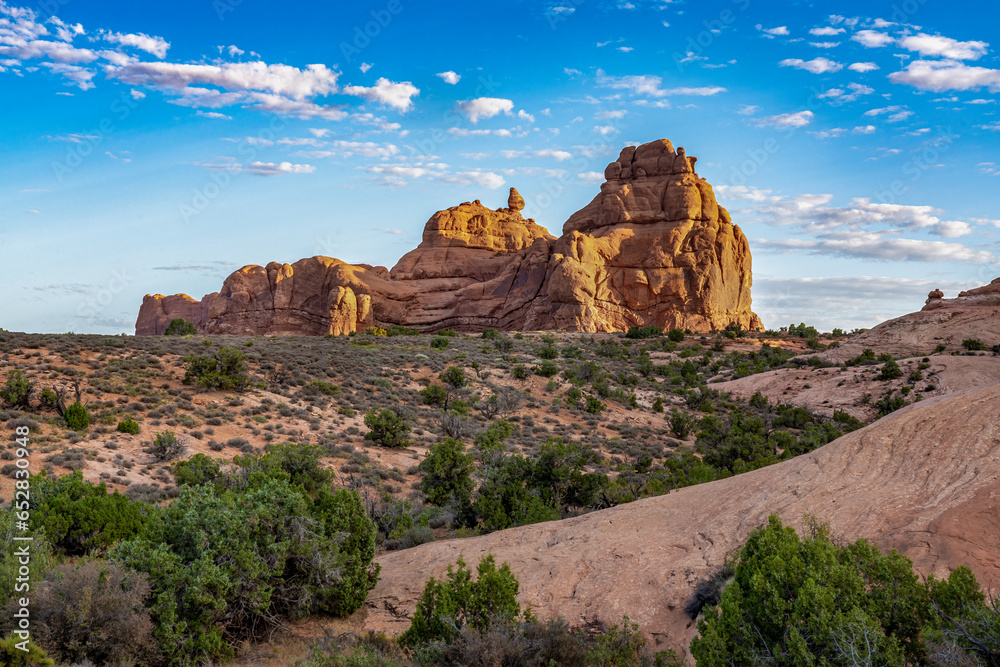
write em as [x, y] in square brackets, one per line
[925, 482]
[974, 313]
[653, 248]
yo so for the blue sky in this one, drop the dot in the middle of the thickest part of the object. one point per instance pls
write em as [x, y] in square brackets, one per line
[157, 147]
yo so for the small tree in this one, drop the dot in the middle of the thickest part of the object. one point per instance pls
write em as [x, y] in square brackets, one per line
[128, 426]
[166, 446]
[180, 327]
[227, 370]
[973, 344]
[447, 474]
[447, 606]
[77, 417]
[890, 370]
[18, 389]
[388, 428]
[454, 378]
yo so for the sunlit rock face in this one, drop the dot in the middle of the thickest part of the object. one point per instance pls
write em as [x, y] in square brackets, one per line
[652, 248]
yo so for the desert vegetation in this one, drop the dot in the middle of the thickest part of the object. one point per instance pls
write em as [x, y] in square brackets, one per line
[212, 490]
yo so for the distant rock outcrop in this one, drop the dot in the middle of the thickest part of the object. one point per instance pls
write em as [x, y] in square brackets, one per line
[653, 248]
[975, 313]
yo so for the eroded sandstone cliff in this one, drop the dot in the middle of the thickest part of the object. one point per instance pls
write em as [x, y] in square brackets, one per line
[653, 248]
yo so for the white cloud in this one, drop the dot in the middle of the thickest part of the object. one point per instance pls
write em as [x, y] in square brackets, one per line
[873, 245]
[816, 65]
[606, 130]
[994, 127]
[486, 179]
[872, 39]
[826, 31]
[485, 107]
[364, 67]
[748, 109]
[936, 45]
[611, 114]
[952, 229]
[829, 134]
[942, 75]
[825, 45]
[80, 76]
[648, 85]
[282, 80]
[862, 67]
[399, 96]
[773, 32]
[864, 129]
[60, 52]
[349, 148]
[150, 44]
[525, 116]
[558, 156]
[449, 77]
[591, 177]
[626, 49]
[894, 113]
[137, 94]
[797, 119]
[215, 115]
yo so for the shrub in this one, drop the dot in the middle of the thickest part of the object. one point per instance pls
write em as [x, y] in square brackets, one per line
[388, 428]
[676, 335]
[166, 446]
[519, 372]
[446, 606]
[377, 332]
[197, 470]
[17, 652]
[79, 517]
[454, 377]
[447, 474]
[227, 567]
[227, 370]
[658, 405]
[297, 463]
[17, 390]
[890, 371]
[491, 334]
[973, 344]
[996, 349]
[41, 551]
[128, 426]
[77, 417]
[833, 601]
[180, 327]
[680, 423]
[649, 331]
[95, 611]
[547, 369]
[439, 342]
[594, 405]
[434, 394]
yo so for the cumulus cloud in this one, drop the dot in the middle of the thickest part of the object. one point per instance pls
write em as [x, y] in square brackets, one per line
[872, 39]
[558, 156]
[826, 31]
[894, 113]
[862, 67]
[952, 229]
[402, 174]
[449, 77]
[157, 46]
[816, 65]
[485, 107]
[793, 120]
[936, 45]
[942, 75]
[591, 177]
[648, 85]
[399, 96]
[292, 82]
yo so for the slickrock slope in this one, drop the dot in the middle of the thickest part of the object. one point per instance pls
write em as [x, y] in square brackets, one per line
[653, 248]
[926, 482]
[973, 314]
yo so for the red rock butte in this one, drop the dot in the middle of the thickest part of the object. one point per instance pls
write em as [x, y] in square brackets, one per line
[652, 248]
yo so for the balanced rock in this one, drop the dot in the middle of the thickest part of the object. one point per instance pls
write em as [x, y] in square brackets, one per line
[515, 202]
[653, 248]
